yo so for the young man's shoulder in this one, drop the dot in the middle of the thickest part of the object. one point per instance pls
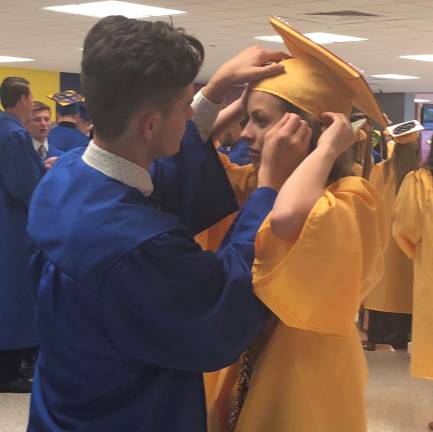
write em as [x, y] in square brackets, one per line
[11, 129]
[91, 220]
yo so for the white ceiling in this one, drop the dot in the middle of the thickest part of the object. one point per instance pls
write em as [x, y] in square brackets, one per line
[227, 26]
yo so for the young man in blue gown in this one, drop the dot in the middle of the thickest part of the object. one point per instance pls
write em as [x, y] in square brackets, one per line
[66, 135]
[20, 171]
[130, 310]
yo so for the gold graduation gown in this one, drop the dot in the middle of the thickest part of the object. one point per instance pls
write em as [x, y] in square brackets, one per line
[394, 292]
[311, 374]
[413, 231]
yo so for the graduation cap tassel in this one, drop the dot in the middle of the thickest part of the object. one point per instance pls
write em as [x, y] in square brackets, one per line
[383, 147]
[367, 162]
[358, 156]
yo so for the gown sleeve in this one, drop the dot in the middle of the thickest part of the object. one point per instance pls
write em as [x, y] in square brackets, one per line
[172, 305]
[317, 283]
[20, 167]
[407, 227]
[193, 185]
[243, 180]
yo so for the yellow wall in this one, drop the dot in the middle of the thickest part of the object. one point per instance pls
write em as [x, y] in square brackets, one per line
[42, 83]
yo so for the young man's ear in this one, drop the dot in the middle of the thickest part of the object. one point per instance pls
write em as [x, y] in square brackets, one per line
[23, 99]
[149, 123]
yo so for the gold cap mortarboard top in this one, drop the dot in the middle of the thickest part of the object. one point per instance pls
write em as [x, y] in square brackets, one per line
[317, 81]
[406, 132]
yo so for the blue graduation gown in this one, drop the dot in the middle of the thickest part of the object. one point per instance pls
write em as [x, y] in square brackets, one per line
[20, 171]
[130, 310]
[64, 138]
[376, 156]
[193, 184]
[239, 154]
[53, 151]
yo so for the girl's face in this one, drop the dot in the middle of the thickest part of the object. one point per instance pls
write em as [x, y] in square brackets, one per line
[264, 111]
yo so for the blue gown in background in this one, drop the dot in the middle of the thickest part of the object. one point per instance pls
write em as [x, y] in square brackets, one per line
[53, 151]
[20, 172]
[193, 184]
[65, 136]
[377, 158]
[130, 310]
[239, 153]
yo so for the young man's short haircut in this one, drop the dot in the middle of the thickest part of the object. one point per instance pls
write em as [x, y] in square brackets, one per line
[40, 106]
[129, 63]
[12, 89]
[67, 110]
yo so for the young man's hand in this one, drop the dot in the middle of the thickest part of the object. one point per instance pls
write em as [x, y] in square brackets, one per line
[49, 163]
[251, 64]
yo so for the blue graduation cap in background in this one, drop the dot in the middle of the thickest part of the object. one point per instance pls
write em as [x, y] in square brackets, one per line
[67, 102]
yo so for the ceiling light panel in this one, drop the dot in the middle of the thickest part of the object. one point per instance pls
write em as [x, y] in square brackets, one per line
[422, 57]
[105, 8]
[395, 76]
[320, 38]
[8, 59]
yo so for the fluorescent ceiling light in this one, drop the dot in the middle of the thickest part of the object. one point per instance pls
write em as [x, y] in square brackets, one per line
[320, 38]
[422, 57]
[395, 76]
[7, 59]
[105, 8]
[422, 100]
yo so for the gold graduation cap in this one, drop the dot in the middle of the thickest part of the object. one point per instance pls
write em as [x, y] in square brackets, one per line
[66, 98]
[406, 132]
[316, 80]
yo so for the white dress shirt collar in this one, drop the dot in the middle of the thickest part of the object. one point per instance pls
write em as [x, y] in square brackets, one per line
[37, 144]
[118, 168]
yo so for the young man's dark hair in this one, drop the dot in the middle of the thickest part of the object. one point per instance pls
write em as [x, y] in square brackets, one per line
[129, 63]
[12, 89]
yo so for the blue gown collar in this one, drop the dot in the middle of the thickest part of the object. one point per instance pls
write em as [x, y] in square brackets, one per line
[11, 116]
